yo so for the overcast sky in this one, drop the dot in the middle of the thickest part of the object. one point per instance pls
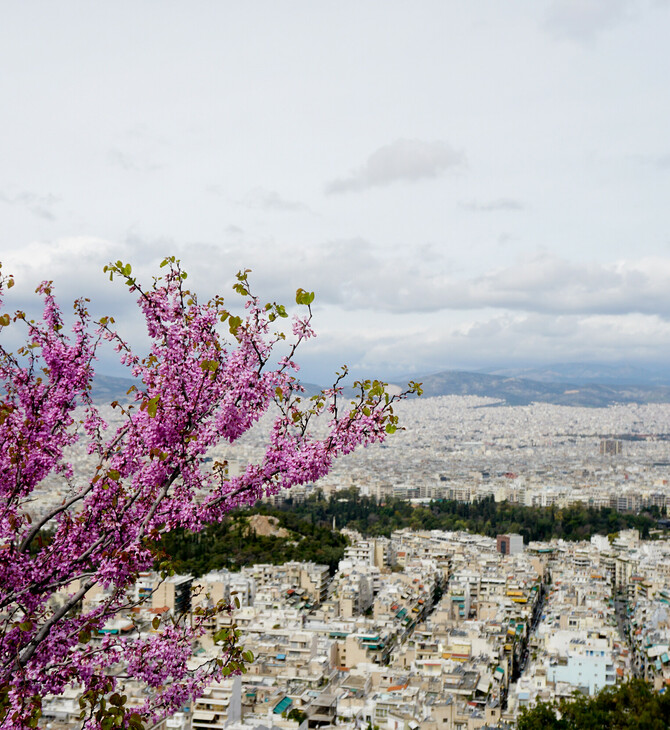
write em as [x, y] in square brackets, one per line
[463, 184]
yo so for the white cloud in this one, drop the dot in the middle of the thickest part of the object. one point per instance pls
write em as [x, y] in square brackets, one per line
[547, 283]
[406, 160]
[543, 283]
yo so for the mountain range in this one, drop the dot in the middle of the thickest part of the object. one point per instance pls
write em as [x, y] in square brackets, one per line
[524, 390]
[570, 384]
[576, 372]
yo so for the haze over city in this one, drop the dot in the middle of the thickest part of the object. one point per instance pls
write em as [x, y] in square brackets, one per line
[463, 185]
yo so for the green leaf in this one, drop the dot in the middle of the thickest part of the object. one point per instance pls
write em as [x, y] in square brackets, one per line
[152, 406]
[84, 636]
[212, 365]
[221, 635]
[234, 324]
[304, 297]
[156, 622]
[391, 428]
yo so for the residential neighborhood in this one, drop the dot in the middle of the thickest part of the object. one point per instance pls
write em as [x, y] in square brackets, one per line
[433, 629]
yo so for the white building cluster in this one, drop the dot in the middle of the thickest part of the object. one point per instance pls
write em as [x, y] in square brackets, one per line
[423, 630]
[436, 630]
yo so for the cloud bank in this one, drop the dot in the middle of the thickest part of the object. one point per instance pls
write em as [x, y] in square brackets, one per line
[389, 314]
[354, 275]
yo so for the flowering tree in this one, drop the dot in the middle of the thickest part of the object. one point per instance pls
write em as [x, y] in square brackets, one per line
[195, 388]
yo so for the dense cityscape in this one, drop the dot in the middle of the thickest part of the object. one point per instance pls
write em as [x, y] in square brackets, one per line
[434, 629]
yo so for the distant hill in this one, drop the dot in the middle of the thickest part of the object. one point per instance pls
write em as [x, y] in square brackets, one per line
[588, 373]
[522, 391]
[569, 384]
[107, 388]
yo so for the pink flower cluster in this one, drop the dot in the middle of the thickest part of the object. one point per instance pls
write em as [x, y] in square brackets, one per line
[196, 387]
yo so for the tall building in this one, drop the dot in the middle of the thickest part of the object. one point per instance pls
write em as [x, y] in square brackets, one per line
[611, 447]
[509, 544]
[173, 593]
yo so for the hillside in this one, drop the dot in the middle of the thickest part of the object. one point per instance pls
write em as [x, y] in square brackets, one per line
[522, 391]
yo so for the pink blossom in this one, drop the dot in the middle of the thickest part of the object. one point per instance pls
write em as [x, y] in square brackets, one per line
[196, 387]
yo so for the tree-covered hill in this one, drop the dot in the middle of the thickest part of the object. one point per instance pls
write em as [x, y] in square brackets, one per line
[234, 543]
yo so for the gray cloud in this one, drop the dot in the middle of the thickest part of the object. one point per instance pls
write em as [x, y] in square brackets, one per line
[139, 149]
[657, 162]
[582, 20]
[39, 205]
[494, 205]
[504, 239]
[403, 160]
[662, 162]
[355, 275]
[270, 200]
